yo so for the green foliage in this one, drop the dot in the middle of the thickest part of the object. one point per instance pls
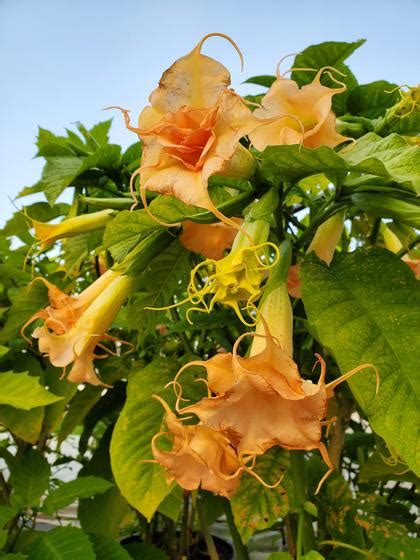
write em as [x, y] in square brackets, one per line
[368, 318]
[63, 543]
[23, 391]
[142, 484]
[67, 493]
[29, 478]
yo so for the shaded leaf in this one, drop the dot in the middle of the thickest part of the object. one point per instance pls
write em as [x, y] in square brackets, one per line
[106, 548]
[372, 100]
[29, 478]
[24, 391]
[62, 543]
[69, 492]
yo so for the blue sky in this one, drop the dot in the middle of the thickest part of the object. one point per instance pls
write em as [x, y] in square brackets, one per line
[61, 61]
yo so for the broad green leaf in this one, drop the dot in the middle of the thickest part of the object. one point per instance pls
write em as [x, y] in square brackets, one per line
[171, 506]
[66, 494]
[25, 424]
[330, 53]
[144, 551]
[390, 156]
[62, 543]
[380, 205]
[366, 316]
[279, 556]
[106, 548]
[389, 537]
[372, 100]
[126, 230]
[51, 145]
[23, 391]
[313, 555]
[3, 350]
[375, 468]
[29, 478]
[65, 389]
[25, 302]
[104, 513]
[132, 154]
[167, 276]
[293, 163]
[142, 484]
[408, 125]
[6, 514]
[265, 81]
[13, 556]
[254, 507]
[100, 131]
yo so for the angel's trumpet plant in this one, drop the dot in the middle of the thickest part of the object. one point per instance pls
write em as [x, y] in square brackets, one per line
[47, 234]
[293, 115]
[408, 104]
[74, 326]
[191, 131]
[323, 244]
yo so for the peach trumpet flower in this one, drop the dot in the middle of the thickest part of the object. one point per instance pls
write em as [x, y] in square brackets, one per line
[75, 326]
[209, 240]
[200, 456]
[293, 115]
[262, 401]
[191, 131]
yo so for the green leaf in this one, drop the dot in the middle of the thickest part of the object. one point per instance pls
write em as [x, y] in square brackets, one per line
[390, 538]
[51, 145]
[106, 548]
[391, 156]
[313, 555]
[25, 302]
[66, 494]
[54, 412]
[25, 424]
[167, 276]
[29, 478]
[293, 163]
[60, 171]
[103, 514]
[366, 309]
[279, 556]
[126, 230]
[6, 514]
[376, 468]
[142, 484]
[265, 81]
[144, 551]
[23, 391]
[330, 53]
[372, 100]
[254, 507]
[408, 125]
[63, 543]
[100, 132]
[380, 205]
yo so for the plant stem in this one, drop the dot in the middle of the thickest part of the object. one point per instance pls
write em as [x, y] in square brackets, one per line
[305, 529]
[412, 244]
[240, 549]
[345, 545]
[320, 219]
[211, 548]
[183, 542]
[375, 230]
[181, 335]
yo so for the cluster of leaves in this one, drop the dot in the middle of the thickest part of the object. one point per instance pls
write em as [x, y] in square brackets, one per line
[362, 308]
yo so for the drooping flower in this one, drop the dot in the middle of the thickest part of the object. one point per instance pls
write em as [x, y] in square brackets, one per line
[74, 326]
[210, 240]
[191, 130]
[200, 457]
[47, 234]
[293, 115]
[262, 401]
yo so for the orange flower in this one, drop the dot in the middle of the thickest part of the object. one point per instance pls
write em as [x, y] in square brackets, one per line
[262, 401]
[191, 130]
[293, 115]
[210, 240]
[200, 457]
[74, 326]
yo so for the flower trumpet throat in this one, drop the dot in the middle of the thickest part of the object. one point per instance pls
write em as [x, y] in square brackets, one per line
[47, 234]
[191, 131]
[75, 326]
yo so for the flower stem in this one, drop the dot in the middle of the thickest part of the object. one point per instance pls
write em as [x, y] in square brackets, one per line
[183, 542]
[211, 548]
[240, 549]
[305, 538]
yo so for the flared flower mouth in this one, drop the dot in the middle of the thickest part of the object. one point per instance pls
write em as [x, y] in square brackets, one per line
[293, 115]
[210, 240]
